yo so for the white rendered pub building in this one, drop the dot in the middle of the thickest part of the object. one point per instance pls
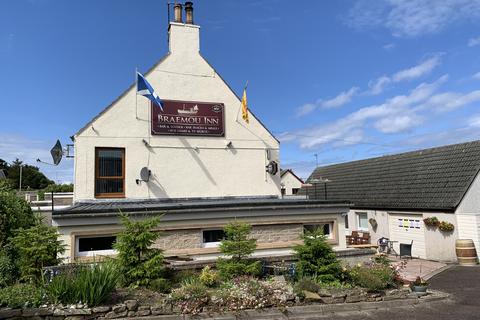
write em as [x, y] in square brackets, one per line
[197, 163]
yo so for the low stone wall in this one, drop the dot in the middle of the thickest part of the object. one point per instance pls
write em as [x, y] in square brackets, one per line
[326, 303]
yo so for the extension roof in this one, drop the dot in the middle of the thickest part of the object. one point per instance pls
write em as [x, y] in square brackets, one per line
[430, 179]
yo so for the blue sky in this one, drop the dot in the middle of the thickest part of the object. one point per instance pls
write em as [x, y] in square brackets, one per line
[342, 79]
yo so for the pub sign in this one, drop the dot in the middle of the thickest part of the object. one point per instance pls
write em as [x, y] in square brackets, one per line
[182, 118]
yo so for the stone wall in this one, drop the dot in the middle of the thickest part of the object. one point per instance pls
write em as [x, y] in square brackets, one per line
[180, 239]
[277, 233]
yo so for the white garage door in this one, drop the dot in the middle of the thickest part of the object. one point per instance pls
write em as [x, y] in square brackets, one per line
[404, 229]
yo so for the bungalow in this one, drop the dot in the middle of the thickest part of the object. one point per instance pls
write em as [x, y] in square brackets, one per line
[290, 182]
[392, 195]
[195, 161]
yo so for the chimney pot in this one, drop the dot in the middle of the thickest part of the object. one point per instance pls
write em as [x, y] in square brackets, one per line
[189, 12]
[177, 10]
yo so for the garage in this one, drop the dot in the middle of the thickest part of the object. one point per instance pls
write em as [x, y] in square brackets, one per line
[405, 228]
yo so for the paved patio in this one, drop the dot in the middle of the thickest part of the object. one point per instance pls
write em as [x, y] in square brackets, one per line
[418, 267]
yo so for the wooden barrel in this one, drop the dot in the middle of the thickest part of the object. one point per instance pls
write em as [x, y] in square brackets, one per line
[466, 253]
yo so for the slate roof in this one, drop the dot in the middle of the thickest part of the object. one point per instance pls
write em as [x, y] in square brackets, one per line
[193, 204]
[430, 179]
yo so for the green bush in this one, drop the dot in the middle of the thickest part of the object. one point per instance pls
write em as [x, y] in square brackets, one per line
[238, 248]
[373, 277]
[160, 285]
[191, 297]
[317, 259]
[21, 295]
[15, 213]
[90, 284]
[8, 268]
[37, 247]
[138, 262]
[208, 276]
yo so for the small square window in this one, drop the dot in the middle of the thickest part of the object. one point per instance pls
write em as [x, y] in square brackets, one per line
[212, 238]
[362, 221]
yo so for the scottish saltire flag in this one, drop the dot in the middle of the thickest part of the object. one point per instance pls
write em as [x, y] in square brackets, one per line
[145, 89]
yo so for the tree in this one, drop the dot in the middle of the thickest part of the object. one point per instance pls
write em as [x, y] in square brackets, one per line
[316, 258]
[138, 261]
[15, 213]
[32, 178]
[238, 248]
[37, 247]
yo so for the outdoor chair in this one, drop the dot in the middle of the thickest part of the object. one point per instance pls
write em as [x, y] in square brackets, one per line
[365, 238]
[406, 249]
[382, 244]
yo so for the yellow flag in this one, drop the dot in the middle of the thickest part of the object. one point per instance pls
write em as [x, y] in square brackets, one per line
[245, 105]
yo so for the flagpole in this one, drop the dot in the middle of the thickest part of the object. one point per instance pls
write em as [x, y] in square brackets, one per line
[136, 93]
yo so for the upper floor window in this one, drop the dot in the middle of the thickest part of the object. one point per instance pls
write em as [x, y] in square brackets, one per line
[110, 172]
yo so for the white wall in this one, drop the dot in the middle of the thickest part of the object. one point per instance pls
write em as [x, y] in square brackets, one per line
[178, 170]
[468, 214]
[288, 182]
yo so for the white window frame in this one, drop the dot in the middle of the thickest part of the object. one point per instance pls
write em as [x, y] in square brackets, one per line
[210, 244]
[358, 214]
[93, 253]
[330, 227]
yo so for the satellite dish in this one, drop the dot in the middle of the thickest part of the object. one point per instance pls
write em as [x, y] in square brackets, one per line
[145, 174]
[57, 153]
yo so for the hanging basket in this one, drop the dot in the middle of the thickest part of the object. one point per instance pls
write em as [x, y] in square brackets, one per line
[373, 223]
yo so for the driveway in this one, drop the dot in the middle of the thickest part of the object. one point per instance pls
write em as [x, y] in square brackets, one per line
[463, 284]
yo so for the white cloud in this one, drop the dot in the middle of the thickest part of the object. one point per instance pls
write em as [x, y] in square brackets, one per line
[350, 129]
[472, 42]
[474, 121]
[425, 67]
[418, 71]
[448, 101]
[476, 76]
[389, 46]
[411, 18]
[377, 86]
[341, 99]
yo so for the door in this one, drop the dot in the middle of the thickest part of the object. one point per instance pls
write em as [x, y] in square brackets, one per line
[405, 228]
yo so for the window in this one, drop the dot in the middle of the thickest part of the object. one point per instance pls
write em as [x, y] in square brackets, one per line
[346, 221]
[362, 221]
[327, 228]
[295, 190]
[90, 246]
[109, 172]
[212, 238]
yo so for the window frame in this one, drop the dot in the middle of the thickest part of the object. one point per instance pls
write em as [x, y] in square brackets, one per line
[331, 225]
[359, 228]
[92, 253]
[97, 166]
[212, 244]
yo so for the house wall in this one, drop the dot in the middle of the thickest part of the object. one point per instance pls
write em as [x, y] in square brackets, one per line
[439, 245]
[288, 182]
[181, 166]
[468, 214]
[274, 230]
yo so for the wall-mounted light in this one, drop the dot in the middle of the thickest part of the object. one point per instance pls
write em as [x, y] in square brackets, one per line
[145, 142]
[229, 145]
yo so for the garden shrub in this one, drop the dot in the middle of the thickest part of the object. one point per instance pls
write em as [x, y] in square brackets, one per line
[15, 213]
[208, 276]
[191, 297]
[249, 293]
[37, 247]
[316, 258]
[90, 284]
[21, 295]
[160, 285]
[238, 248]
[138, 262]
[8, 268]
[373, 277]
[305, 284]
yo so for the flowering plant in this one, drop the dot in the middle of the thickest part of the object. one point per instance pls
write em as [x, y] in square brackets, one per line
[420, 282]
[446, 226]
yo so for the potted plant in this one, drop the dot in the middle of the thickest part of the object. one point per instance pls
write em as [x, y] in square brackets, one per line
[446, 226]
[432, 222]
[419, 285]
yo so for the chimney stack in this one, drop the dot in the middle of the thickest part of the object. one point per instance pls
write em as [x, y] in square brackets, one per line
[189, 12]
[177, 10]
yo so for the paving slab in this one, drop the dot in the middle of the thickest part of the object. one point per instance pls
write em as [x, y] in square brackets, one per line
[418, 267]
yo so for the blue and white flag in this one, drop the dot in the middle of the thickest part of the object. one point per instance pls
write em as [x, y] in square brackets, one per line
[145, 89]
